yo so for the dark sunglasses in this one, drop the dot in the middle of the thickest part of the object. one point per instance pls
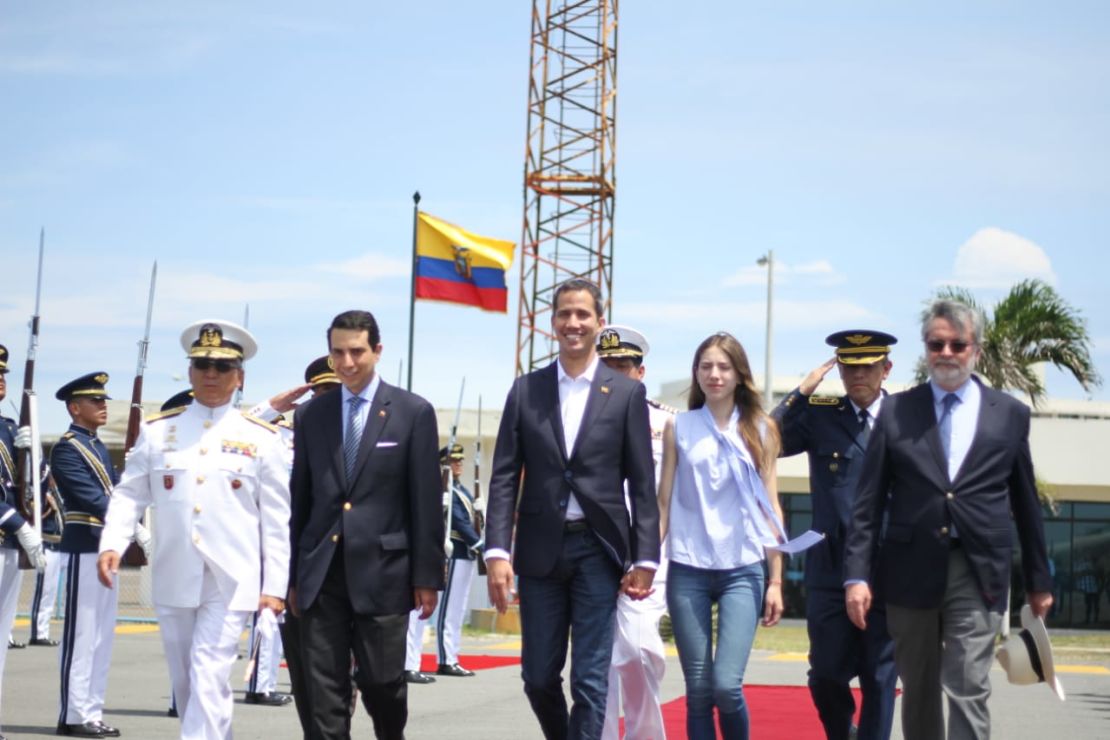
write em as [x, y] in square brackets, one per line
[221, 366]
[937, 345]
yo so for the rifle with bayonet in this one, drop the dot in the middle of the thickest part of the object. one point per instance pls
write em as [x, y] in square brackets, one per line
[28, 464]
[134, 555]
[479, 505]
[449, 479]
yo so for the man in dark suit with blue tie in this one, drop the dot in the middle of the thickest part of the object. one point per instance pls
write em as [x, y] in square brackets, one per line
[575, 432]
[366, 532]
[834, 432]
[948, 468]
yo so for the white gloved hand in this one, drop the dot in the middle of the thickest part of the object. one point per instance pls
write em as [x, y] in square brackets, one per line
[31, 543]
[22, 439]
[143, 540]
[480, 505]
[446, 499]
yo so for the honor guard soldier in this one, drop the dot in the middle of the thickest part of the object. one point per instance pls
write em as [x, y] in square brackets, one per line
[636, 670]
[466, 548]
[833, 431]
[85, 477]
[220, 484]
[15, 532]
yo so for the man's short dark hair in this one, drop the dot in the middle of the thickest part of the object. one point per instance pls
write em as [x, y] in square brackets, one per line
[357, 321]
[575, 285]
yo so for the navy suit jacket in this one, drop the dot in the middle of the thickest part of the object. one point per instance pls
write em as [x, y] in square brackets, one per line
[613, 446]
[993, 487]
[388, 520]
[830, 434]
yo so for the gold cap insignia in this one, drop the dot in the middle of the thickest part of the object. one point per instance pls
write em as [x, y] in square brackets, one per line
[102, 378]
[858, 339]
[331, 363]
[609, 340]
[210, 336]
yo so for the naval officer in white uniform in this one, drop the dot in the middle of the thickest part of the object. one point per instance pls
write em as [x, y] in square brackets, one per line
[218, 481]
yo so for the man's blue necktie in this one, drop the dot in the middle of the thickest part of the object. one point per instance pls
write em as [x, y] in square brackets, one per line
[353, 436]
[944, 425]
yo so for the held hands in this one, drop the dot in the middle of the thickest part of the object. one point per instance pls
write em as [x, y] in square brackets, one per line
[857, 600]
[636, 583]
[816, 375]
[107, 566]
[273, 603]
[31, 543]
[499, 580]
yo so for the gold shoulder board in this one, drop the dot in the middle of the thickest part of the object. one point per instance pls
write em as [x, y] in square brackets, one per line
[68, 435]
[166, 414]
[824, 401]
[259, 422]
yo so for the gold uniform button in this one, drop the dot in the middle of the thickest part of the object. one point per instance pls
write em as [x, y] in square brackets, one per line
[196, 539]
[944, 530]
[200, 479]
[347, 506]
[196, 509]
[335, 538]
[836, 454]
[207, 425]
[204, 450]
[950, 495]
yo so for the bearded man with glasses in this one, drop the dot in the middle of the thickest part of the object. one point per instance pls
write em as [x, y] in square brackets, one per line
[947, 468]
[219, 480]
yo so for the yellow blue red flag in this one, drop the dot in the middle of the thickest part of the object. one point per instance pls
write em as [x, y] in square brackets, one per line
[455, 265]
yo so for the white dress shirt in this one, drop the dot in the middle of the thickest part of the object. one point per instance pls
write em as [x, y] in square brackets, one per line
[573, 394]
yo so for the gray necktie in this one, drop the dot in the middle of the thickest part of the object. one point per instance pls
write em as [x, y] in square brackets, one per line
[944, 425]
[353, 436]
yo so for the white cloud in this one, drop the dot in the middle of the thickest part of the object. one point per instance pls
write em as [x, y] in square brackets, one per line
[995, 258]
[818, 272]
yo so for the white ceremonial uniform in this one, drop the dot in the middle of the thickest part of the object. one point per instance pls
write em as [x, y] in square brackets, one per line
[218, 482]
[414, 645]
[639, 661]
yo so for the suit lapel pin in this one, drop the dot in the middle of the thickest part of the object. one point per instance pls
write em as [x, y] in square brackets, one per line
[604, 389]
[381, 413]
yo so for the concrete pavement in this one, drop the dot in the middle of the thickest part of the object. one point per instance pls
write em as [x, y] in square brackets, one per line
[490, 706]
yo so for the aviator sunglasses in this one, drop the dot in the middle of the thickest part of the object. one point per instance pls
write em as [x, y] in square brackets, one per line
[221, 366]
[937, 345]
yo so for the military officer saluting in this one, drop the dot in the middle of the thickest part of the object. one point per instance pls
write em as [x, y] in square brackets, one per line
[834, 430]
[15, 532]
[85, 477]
[220, 483]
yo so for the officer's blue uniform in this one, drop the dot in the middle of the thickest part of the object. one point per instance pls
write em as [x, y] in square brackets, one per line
[10, 518]
[828, 429]
[84, 487]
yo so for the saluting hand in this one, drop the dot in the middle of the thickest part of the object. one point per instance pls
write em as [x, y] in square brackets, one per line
[816, 375]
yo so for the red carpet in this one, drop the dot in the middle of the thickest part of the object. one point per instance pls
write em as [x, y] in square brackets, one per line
[429, 663]
[776, 712]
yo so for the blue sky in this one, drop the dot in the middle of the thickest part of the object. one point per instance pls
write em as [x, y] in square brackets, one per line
[266, 153]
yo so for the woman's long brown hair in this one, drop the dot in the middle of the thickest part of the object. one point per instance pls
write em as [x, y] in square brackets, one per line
[764, 447]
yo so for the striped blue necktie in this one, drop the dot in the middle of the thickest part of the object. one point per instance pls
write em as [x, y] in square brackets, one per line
[353, 436]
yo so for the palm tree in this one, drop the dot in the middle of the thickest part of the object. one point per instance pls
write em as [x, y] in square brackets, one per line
[1030, 325]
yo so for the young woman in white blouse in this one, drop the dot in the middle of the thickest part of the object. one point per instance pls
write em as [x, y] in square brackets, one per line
[719, 506]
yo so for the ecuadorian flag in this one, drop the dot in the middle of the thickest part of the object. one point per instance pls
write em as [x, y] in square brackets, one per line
[456, 266]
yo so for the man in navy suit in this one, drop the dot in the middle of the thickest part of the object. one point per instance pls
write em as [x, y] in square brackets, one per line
[366, 531]
[948, 467]
[834, 431]
[575, 432]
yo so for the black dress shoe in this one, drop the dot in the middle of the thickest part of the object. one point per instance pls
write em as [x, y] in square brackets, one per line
[43, 642]
[268, 698]
[108, 730]
[13, 645]
[88, 729]
[171, 712]
[418, 677]
[453, 670]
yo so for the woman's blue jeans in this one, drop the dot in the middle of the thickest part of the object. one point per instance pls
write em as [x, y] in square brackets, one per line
[715, 679]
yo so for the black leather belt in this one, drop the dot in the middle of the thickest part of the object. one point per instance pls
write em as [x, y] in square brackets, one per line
[575, 525]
